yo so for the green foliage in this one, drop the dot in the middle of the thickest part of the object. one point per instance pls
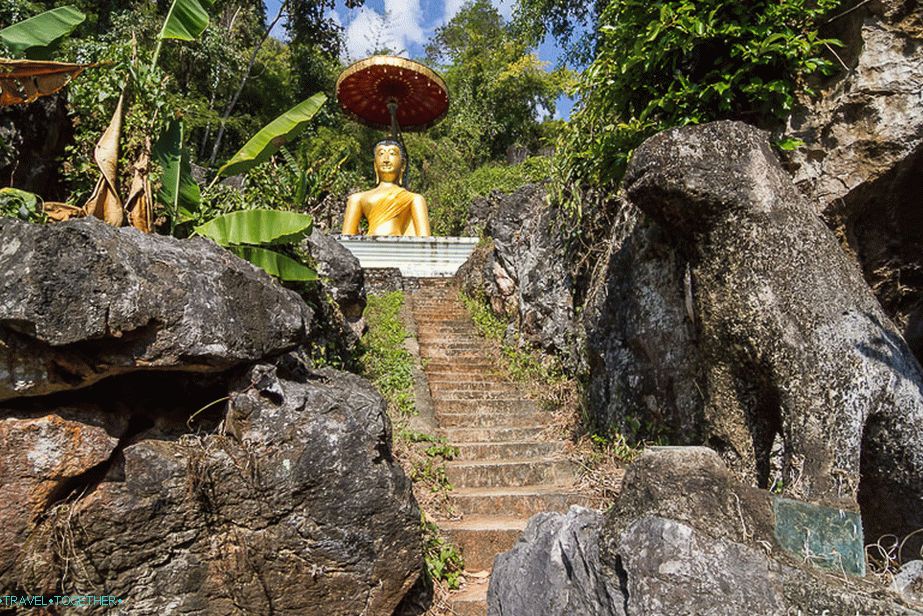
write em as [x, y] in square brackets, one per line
[273, 136]
[186, 21]
[275, 264]
[499, 87]
[684, 62]
[615, 445]
[443, 560]
[450, 199]
[247, 234]
[522, 365]
[385, 361]
[20, 204]
[179, 191]
[34, 36]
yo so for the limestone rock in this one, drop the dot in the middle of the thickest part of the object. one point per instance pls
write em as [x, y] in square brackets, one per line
[42, 454]
[81, 301]
[796, 346]
[340, 272]
[909, 581]
[685, 537]
[292, 505]
[525, 277]
[555, 570]
[862, 162]
[645, 369]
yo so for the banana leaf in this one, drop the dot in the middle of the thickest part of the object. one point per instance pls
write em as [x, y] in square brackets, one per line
[180, 192]
[42, 30]
[186, 20]
[23, 81]
[256, 227]
[273, 136]
[275, 264]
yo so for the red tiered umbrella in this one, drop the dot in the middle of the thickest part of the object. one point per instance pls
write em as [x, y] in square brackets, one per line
[393, 93]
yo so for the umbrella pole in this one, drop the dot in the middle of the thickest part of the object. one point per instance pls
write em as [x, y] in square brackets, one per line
[395, 129]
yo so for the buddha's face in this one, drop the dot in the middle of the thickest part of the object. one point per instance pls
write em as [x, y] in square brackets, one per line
[388, 162]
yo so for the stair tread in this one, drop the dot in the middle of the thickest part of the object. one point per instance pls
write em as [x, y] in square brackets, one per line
[505, 462]
[538, 489]
[486, 522]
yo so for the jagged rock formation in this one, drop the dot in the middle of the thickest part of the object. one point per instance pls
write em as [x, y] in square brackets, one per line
[862, 162]
[522, 273]
[795, 345]
[646, 375]
[685, 537]
[555, 569]
[199, 468]
[81, 301]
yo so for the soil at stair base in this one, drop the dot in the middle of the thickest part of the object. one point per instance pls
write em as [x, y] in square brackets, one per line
[505, 471]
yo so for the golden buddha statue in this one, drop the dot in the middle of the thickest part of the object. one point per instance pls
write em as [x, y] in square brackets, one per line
[389, 208]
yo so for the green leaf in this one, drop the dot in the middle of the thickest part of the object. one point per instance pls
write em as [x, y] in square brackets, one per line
[180, 192]
[256, 227]
[186, 20]
[273, 136]
[789, 143]
[42, 30]
[275, 264]
[15, 203]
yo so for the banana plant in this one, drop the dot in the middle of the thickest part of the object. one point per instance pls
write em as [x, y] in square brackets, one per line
[34, 37]
[24, 80]
[251, 235]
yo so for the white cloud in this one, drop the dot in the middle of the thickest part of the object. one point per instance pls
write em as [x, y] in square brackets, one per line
[451, 9]
[399, 27]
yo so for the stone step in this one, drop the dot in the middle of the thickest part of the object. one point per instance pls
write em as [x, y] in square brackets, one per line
[470, 600]
[465, 386]
[488, 420]
[506, 394]
[500, 450]
[497, 405]
[458, 436]
[517, 500]
[481, 538]
[473, 374]
[442, 364]
[509, 473]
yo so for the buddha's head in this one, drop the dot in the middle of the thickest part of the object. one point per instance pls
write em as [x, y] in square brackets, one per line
[390, 161]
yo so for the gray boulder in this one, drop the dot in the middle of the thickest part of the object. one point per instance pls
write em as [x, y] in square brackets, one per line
[555, 570]
[862, 162]
[685, 537]
[291, 505]
[340, 272]
[796, 347]
[81, 301]
[524, 277]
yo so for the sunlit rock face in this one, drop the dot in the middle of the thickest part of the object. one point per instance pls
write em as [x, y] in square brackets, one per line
[862, 163]
[523, 273]
[684, 537]
[170, 446]
[796, 349]
[81, 301]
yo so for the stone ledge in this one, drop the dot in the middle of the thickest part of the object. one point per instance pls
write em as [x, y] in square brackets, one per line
[415, 257]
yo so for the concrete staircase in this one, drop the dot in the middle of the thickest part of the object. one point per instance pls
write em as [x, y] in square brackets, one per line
[505, 472]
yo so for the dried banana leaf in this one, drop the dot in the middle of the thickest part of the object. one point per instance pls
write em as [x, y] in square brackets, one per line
[140, 200]
[104, 203]
[23, 81]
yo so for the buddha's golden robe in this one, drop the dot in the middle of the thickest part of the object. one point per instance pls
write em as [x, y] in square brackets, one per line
[391, 212]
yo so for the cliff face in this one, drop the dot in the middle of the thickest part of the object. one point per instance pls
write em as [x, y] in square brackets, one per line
[167, 443]
[862, 163]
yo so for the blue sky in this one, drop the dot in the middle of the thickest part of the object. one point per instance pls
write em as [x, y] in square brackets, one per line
[407, 25]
